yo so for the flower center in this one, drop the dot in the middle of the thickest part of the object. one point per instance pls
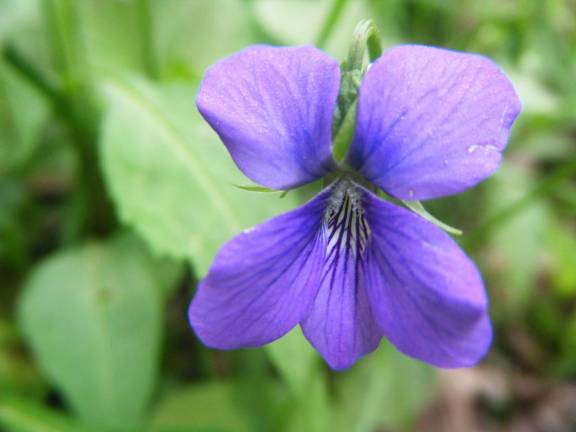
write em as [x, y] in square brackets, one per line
[345, 224]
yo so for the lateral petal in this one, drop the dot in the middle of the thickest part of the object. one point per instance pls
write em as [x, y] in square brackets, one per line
[272, 107]
[426, 294]
[431, 122]
[263, 281]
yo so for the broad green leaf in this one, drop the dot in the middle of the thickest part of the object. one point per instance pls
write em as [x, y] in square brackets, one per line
[111, 33]
[22, 25]
[384, 389]
[312, 409]
[308, 405]
[260, 396]
[295, 359]
[15, 14]
[93, 318]
[171, 178]
[194, 34]
[208, 407]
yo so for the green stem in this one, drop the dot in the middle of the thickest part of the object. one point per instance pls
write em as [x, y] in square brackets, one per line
[61, 24]
[332, 18]
[546, 185]
[258, 30]
[146, 26]
[31, 74]
[92, 210]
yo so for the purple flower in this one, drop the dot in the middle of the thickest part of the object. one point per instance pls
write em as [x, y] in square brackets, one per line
[347, 266]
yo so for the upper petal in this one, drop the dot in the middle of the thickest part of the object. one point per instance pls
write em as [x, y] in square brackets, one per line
[261, 282]
[425, 293]
[340, 324]
[272, 107]
[431, 122]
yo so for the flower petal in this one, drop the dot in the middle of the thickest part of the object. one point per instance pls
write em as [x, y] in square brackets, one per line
[261, 282]
[426, 294]
[431, 122]
[272, 107]
[340, 324]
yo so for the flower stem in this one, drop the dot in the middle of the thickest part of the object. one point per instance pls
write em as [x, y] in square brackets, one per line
[91, 211]
[259, 31]
[31, 74]
[146, 27]
[332, 18]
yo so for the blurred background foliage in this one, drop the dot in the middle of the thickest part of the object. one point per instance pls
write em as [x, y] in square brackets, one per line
[114, 196]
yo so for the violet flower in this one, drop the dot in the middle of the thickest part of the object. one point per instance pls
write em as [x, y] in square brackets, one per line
[347, 266]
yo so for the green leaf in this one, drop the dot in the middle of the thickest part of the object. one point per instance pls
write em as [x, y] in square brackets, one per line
[171, 178]
[418, 208]
[312, 410]
[111, 35]
[93, 318]
[208, 407]
[191, 35]
[294, 358]
[384, 389]
[14, 14]
[22, 25]
[308, 406]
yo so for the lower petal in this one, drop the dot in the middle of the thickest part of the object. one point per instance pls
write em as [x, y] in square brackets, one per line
[340, 325]
[426, 294]
[261, 282]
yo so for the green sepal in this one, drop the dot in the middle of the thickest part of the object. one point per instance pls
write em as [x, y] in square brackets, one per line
[365, 47]
[262, 189]
[418, 208]
[255, 188]
[345, 134]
